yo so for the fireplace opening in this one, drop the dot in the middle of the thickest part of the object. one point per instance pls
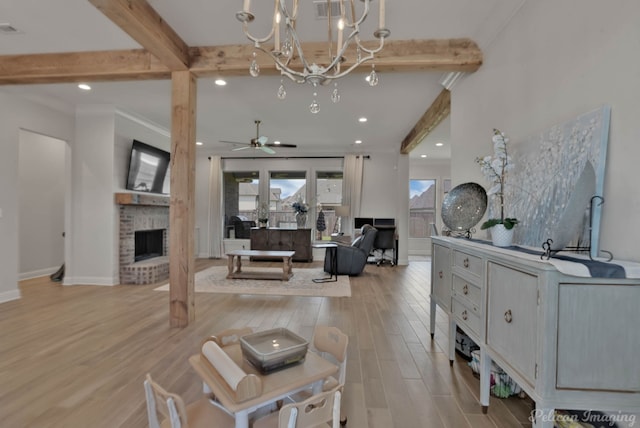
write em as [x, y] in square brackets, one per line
[149, 244]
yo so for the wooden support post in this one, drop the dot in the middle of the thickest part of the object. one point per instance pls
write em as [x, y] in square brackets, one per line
[182, 199]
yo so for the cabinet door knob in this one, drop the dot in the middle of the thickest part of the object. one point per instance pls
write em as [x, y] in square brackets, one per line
[465, 289]
[508, 317]
[440, 274]
[465, 262]
[465, 315]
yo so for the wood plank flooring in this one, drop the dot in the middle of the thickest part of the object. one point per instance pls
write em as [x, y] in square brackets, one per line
[76, 356]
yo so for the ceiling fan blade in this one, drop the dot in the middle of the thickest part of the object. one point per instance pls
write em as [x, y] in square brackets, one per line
[280, 145]
[232, 142]
[241, 148]
[267, 150]
[262, 139]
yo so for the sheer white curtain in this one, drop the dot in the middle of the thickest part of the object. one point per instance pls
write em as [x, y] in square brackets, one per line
[352, 188]
[216, 216]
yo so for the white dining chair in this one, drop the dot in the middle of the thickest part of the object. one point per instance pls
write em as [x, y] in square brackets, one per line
[320, 410]
[167, 410]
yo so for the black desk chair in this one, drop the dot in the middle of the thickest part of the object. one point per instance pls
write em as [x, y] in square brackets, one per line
[385, 244]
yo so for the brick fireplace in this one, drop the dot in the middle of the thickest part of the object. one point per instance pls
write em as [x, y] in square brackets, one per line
[143, 213]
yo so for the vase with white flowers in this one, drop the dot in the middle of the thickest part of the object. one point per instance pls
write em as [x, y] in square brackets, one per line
[495, 168]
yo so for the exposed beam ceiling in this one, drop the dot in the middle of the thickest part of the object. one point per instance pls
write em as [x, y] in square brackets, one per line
[140, 21]
[230, 60]
[439, 110]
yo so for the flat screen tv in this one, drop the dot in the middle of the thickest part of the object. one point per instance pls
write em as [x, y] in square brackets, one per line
[148, 169]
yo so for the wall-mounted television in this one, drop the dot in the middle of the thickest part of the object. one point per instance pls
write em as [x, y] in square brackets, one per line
[148, 169]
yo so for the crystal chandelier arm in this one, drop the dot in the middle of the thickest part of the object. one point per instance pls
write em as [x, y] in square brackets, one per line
[355, 24]
[257, 40]
[371, 51]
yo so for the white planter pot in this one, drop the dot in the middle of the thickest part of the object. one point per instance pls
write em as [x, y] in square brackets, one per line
[501, 236]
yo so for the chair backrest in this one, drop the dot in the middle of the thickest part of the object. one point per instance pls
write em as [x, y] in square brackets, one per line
[332, 341]
[160, 402]
[385, 238]
[315, 411]
[366, 239]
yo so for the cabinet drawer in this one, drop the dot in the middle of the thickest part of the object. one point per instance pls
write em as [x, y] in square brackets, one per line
[467, 263]
[466, 317]
[468, 291]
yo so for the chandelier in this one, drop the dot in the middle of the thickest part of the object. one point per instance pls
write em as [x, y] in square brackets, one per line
[287, 52]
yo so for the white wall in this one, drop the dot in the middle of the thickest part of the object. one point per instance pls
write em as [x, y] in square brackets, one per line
[18, 113]
[41, 188]
[554, 61]
[93, 209]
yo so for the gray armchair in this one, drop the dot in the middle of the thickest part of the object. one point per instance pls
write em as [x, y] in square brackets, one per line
[352, 259]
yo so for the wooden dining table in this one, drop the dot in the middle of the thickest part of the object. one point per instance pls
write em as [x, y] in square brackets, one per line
[275, 386]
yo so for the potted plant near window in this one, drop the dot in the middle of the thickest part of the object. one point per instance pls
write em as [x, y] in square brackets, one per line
[301, 208]
[495, 168]
[263, 214]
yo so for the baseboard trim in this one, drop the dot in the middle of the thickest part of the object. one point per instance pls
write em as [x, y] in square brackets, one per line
[8, 296]
[37, 273]
[90, 280]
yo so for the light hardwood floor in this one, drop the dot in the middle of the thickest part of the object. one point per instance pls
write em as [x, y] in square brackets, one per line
[76, 356]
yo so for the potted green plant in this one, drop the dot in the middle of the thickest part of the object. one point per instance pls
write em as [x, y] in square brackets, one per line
[495, 168]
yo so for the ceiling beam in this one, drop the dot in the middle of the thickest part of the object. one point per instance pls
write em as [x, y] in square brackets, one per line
[140, 21]
[398, 55]
[230, 60]
[81, 67]
[436, 113]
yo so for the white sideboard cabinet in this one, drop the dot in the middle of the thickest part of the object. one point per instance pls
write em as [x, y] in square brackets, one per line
[571, 341]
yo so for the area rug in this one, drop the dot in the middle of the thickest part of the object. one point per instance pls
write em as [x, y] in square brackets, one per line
[213, 280]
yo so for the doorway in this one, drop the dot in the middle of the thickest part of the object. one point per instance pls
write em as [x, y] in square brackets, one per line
[41, 204]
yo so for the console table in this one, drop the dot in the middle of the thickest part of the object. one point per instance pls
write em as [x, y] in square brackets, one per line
[569, 341]
[275, 239]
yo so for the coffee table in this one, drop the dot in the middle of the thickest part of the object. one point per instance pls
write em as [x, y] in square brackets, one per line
[287, 265]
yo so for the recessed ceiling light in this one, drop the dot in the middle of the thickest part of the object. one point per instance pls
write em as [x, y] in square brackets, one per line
[276, 142]
[358, 141]
[423, 156]
[199, 143]
[362, 119]
[220, 82]
[439, 144]
[84, 87]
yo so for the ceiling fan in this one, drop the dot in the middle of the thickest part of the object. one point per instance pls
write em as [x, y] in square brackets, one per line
[260, 142]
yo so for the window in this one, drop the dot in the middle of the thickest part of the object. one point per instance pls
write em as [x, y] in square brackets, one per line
[328, 197]
[285, 188]
[422, 203]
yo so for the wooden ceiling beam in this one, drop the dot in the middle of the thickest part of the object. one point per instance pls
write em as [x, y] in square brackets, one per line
[140, 21]
[230, 60]
[436, 113]
[398, 55]
[81, 67]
